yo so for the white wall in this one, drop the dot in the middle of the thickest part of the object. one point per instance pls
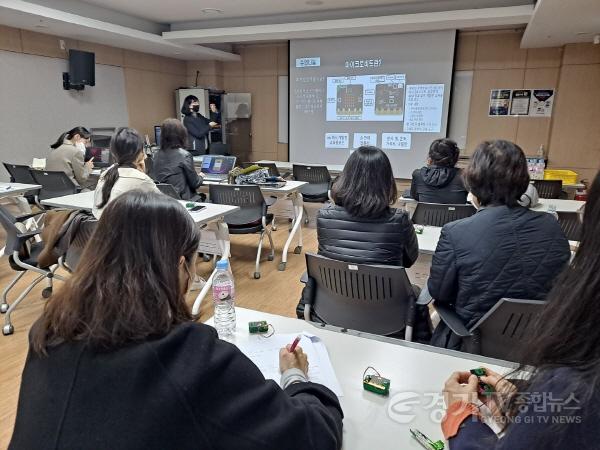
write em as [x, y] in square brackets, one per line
[35, 110]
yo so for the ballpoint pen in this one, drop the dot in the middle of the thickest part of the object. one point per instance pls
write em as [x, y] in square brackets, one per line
[426, 442]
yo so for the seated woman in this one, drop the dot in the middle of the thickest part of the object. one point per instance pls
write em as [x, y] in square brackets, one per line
[557, 407]
[173, 165]
[504, 250]
[68, 156]
[361, 226]
[128, 172]
[116, 361]
[439, 181]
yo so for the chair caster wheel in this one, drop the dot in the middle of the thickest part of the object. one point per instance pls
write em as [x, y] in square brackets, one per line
[306, 221]
[256, 275]
[290, 220]
[47, 292]
[298, 250]
[8, 330]
[270, 257]
[3, 308]
[206, 258]
[274, 228]
[281, 266]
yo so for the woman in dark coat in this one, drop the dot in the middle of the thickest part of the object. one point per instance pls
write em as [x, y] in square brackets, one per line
[197, 126]
[504, 250]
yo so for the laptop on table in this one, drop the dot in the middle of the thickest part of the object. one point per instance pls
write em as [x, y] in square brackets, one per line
[217, 167]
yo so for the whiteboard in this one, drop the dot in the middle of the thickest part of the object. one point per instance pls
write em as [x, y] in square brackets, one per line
[35, 109]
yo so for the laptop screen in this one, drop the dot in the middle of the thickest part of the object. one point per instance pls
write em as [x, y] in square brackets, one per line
[217, 165]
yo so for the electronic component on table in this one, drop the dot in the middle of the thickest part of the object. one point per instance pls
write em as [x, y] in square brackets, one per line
[260, 326]
[483, 388]
[375, 382]
[425, 441]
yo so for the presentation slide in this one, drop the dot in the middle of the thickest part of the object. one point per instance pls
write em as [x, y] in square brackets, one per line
[388, 91]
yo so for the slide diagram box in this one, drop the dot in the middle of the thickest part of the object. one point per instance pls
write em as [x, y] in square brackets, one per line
[423, 108]
[361, 139]
[366, 98]
[395, 141]
[336, 140]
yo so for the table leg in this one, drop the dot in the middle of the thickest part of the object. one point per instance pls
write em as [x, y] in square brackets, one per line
[225, 245]
[297, 227]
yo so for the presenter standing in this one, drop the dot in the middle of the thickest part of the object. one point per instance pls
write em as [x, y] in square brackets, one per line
[197, 126]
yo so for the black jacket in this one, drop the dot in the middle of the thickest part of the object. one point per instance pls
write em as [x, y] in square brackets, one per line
[435, 184]
[186, 390]
[198, 129]
[556, 415]
[176, 167]
[388, 240]
[498, 252]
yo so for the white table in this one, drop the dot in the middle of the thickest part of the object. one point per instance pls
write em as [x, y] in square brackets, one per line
[210, 213]
[417, 374]
[428, 240]
[561, 205]
[290, 191]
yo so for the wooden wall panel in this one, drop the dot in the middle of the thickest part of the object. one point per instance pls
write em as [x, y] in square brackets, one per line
[544, 57]
[466, 48]
[283, 67]
[10, 39]
[45, 44]
[575, 135]
[264, 116]
[481, 126]
[581, 54]
[260, 60]
[500, 51]
[150, 97]
[105, 54]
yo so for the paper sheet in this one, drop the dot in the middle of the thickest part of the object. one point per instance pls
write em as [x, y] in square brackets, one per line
[264, 352]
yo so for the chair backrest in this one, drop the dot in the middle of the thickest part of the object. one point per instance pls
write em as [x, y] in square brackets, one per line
[79, 239]
[505, 327]
[272, 168]
[438, 215]
[369, 298]
[249, 198]
[169, 190]
[54, 184]
[548, 188]
[19, 173]
[218, 148]
[7, 221]
[311, 174]
[570, 223]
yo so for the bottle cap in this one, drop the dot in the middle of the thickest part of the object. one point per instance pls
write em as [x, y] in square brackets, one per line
[223, 264]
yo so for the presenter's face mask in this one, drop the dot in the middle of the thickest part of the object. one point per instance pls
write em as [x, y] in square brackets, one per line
[196, 108]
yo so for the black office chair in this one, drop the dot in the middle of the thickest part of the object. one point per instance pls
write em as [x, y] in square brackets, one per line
[20, 174]
[79, 237]
[319, 183]
[371, 298]
[169, 190]
[500, 332]
[548, 188]
[438, 215]
[54, 184]
[570, 223]
[22, 254]
[252, 217]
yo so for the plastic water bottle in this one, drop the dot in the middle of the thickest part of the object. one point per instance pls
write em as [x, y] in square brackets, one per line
[223, 289]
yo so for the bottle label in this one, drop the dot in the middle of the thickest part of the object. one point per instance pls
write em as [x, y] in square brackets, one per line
[223, 292]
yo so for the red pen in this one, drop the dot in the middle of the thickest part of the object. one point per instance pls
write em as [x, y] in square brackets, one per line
[295, 343]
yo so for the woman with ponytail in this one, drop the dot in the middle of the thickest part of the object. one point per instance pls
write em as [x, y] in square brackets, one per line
[128, 172]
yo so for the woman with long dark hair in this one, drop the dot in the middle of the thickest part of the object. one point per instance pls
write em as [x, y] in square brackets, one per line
[197, 126]
[504, 250]
[68, 155]
[556, 403]
[115, 360]
[128, 172]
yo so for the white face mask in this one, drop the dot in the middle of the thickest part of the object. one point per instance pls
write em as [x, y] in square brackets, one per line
[80, 146]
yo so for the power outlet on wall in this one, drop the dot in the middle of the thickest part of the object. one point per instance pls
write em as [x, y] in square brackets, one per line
[61, 44]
